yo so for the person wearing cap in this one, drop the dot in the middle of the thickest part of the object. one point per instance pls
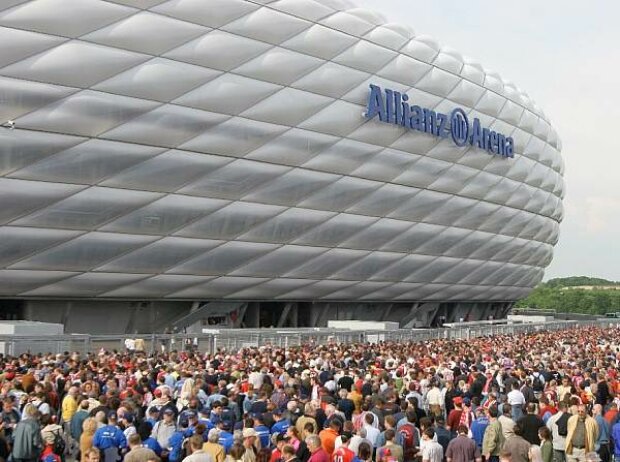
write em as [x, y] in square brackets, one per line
[109, 439]
[226, 438]
[251, 443]
[281, 424]
[163, 429]
[516, 400]
[137, 451]
[454, 417]
[213, 446]
[262, 431]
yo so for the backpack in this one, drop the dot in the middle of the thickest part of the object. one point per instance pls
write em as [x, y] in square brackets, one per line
[59, 445]
[409, 439]
[537, 384]
[562, 424]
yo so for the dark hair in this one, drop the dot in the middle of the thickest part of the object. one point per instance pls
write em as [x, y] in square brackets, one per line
[390, 434]
[545, 432]
[493, 411]
[237, 451]
[430, 432]
[364, 451]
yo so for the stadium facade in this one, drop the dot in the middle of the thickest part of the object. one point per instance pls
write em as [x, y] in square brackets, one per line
[261, 162]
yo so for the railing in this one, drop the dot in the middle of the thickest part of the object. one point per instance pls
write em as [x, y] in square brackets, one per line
[235, 339]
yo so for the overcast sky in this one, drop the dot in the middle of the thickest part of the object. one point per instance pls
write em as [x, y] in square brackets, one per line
[566, 55]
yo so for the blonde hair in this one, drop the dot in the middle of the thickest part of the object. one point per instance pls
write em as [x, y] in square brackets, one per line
[31, 411]
[89, 426]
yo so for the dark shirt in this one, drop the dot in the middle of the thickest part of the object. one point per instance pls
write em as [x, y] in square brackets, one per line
[462, 449]
[530, 423]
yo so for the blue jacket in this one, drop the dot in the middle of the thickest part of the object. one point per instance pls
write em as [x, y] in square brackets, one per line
[226, 440]
[153, 445]
[478, 428]
[109, 436]
[175, 446]
[280, 426]
[264, 435]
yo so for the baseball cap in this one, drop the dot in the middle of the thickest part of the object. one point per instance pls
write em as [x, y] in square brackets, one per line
[168, 411]
[249, 432]
[112, 415]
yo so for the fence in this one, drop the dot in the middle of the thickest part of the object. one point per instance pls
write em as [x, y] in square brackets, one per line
[235, 339]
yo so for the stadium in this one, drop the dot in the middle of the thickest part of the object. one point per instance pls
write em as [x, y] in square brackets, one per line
[272, 163]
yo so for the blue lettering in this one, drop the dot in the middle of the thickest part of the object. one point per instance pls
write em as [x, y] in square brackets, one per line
[375, 104]
[393, 107]
[441, 125]
[404, 121]
[476, 134]
[416, 119]
[430, 121]
[509, 147]
[389, 105]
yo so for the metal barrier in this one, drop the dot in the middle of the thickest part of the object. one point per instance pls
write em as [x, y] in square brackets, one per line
[235, 339]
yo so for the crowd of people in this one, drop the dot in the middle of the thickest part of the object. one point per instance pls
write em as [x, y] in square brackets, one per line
[536, 397]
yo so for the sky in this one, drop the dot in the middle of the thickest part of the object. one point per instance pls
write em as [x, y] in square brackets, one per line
[566, 55]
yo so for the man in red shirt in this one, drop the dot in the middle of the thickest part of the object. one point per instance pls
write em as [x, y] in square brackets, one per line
[454, 418]
[343, 453]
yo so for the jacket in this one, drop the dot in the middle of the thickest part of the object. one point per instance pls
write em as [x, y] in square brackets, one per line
[493, 440]
[591, 433]
[27, 443]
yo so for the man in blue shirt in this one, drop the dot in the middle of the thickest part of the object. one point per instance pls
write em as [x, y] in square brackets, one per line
[226, 437]
[109, 439]
[602, 443]
[262, 431]
[281, 424]
[479, 426]
[175, 442]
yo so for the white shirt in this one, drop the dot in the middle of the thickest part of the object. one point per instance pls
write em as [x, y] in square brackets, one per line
[433, 397]
[372, 434]
[515, 397]
[432, 452]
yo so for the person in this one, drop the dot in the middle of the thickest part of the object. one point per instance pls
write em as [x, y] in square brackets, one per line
[432, 451]
[462, 448]
[442, 433]
[558, 435]
[69, 407]
[197, 453]
[516, 400]
[479, 426]
[77, 421]
[89, 427]
[251, 443]
[27, 442]
[505, 420]
[582, 435]
[318, 454]
[395, 450]
[343, 453]
[48, 454]
[236, 453]
[546, 447]
[289, 454]
[530, 423]
[92, 455]
[517, 446]
[165, 428]
[109, 439]
[138, 452]
[434, 400]
[364, 453]
[328, 436]
[604, 430]
[493, 440]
